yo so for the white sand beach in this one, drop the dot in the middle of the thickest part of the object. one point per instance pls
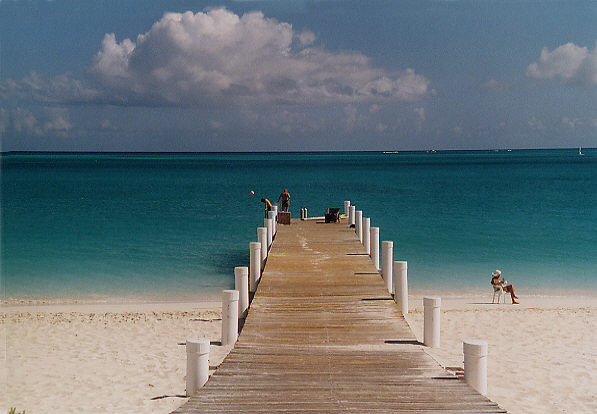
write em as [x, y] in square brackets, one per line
[94, 358]
[542, 353]
[102, 358]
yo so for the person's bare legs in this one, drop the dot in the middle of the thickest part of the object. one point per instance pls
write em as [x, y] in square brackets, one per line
[510, 289]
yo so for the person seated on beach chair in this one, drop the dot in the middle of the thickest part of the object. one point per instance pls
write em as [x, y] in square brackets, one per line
[496, 281]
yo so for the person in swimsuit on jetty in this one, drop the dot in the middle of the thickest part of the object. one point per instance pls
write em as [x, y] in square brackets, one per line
[496, 281]
[268, 205]
[285, 196]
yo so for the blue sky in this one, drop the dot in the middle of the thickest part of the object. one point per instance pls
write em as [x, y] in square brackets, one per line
[134, 75]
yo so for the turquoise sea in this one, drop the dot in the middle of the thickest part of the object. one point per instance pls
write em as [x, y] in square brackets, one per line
[167, 227]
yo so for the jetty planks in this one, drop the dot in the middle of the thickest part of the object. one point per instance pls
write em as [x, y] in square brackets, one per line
[323, 335]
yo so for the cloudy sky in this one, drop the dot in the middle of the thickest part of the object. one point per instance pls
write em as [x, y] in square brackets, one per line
[277, 75]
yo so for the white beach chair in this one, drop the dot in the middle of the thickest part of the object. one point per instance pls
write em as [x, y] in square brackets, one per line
[499, 291]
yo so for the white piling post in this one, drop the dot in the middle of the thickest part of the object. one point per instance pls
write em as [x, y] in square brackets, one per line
[229, 316]
[275, 208]
[346, 208]
[272, 215]
[351, 214]
[262, 238]
[401, 285]
[197, 364]
[267, 223]
[375, 246]
[367, 234]
[431, 331]
[387, 258]
[302, 213]
[241, 283]
[475, 364]
[306, 213]
[254, 265]
[358, 224]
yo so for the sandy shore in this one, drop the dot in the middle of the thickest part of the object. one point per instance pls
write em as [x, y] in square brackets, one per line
[99, 358]
[542, 353]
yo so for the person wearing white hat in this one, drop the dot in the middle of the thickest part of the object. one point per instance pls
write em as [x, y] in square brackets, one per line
[495, 280]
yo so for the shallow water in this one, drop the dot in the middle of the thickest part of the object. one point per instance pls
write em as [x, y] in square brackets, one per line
[173, 226]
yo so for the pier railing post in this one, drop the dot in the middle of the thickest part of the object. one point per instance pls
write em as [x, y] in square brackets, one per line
[387, 258]
[275, 208]
[262, 238]
[267, 223]
[358, 224]
[346, 208]
[255, 265]
[241, 283]
[229, 316]
[351, 215]
[272, 215]
[197, 364]
[375, 246]
[431, 330]
[475, 364]
[367, 234]
[401, 285]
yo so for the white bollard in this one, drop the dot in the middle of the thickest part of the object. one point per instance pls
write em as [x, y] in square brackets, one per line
[272, 215]
[387, 258]
[351, 214]
[302, 213]
[267, 223]
[401, 285]
[229, 316]
[254, 265]
[375, 246]
[306, 213]
[241, 283]
[431, 306]
[475, 364]
[197, 364]
[262, 238]
[367, 234]
[275, 208]
[358, 224]
[346, 208]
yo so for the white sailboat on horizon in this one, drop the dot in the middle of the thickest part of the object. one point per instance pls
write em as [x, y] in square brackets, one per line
[580, 151]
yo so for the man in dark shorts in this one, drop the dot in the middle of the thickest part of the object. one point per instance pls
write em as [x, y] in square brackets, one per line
[285, 196]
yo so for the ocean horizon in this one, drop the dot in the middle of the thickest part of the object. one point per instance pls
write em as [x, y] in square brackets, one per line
[172, 226]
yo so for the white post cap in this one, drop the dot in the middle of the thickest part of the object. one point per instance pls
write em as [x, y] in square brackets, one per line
[432, 301]
[230, 295]
[255, 246]
[241, 270]
[474, 347]
[198, 346]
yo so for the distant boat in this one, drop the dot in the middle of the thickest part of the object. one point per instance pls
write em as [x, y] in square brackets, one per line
[580, 151]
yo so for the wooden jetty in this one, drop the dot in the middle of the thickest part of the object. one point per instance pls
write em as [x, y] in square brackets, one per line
[323, 335]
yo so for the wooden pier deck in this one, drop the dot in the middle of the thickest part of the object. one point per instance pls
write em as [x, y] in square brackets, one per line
[323, 335]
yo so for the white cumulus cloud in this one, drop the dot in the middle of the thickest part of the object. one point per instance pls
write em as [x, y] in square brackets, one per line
[568, 62]
[219, 58]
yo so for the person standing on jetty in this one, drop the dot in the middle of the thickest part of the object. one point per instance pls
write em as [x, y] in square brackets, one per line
[285, 196]
[268, 205]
